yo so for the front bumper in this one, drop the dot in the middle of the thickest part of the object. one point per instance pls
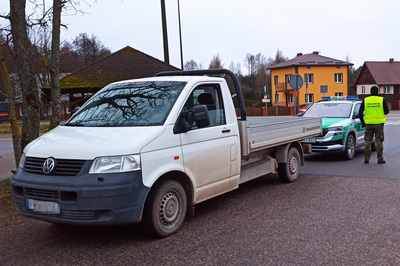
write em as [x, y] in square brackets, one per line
[329, 142]
[85, 199]
[332, 145]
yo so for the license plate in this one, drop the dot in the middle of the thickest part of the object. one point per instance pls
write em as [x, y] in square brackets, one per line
[310, 140]
[43, 206]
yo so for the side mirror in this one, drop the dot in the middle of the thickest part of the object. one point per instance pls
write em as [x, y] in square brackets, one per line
[181, 126]
[201, 117]
[198, 116]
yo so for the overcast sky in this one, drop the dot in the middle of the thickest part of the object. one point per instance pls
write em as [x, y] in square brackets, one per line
[362, 30]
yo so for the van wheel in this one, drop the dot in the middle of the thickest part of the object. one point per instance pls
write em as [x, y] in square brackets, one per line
[166, 208]
[289, 172]
[350, 147]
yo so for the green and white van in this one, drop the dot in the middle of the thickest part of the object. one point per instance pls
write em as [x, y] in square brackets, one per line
[342, 129]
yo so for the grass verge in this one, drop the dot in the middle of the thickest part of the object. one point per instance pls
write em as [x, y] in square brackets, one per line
[5, 192]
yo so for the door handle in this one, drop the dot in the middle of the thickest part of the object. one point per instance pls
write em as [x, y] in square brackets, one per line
[226, 130]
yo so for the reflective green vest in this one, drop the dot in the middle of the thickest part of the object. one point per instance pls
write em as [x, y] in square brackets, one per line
[373, 110]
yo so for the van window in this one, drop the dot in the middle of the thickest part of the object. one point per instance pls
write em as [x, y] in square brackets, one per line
[129, 104]
[210, 96]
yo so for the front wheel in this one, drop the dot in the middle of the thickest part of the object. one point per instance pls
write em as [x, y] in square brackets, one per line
[289, 172]
[166, 208]
[350, 150]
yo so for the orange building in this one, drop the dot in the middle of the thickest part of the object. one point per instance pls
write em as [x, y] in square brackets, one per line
[325, 77]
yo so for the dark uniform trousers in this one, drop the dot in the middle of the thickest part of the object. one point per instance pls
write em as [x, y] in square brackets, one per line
[370, 131]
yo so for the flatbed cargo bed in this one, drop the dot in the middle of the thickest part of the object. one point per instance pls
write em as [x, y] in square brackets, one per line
[260, 132]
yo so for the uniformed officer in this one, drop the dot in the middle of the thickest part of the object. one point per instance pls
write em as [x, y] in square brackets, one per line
[373, 111]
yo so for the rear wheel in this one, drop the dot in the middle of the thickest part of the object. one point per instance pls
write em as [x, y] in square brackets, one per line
[166, 208]
[349, 151]
[289, 172]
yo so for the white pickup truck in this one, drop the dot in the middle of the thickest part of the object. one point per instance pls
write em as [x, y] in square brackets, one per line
[150, 149]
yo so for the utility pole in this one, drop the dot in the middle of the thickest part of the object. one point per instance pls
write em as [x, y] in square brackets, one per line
[165, 34]
[180, 35]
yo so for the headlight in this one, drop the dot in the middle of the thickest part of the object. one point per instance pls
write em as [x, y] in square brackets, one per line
[115, 164]
[337, 130]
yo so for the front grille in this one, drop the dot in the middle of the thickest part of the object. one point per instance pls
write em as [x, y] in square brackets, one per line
[42, 194]
[78, 215]
[63, 167]
[66, 214]
[324, 131]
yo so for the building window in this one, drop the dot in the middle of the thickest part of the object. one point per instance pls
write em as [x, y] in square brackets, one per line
[338, 93]
[309, 98]
[287, 79]
[362, 89]
[290, 98]
[310, 78]
[277, 98]
[276, 80]
[338, 78]
[386, 89]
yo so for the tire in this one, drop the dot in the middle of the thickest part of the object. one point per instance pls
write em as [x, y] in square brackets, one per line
[289, 172]
[166, 208]
[350, 150]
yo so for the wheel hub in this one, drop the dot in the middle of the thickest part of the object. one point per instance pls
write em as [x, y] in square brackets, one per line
[293, 164]
[169, 208]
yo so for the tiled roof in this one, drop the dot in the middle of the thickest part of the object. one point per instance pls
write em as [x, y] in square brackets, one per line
[313, 59]
[384, 73]
[127, 63]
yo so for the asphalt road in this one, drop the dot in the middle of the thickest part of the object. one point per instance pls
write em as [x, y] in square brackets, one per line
[337, 213]
[319, 220]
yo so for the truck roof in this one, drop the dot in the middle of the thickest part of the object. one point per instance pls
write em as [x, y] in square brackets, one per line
[173, 78]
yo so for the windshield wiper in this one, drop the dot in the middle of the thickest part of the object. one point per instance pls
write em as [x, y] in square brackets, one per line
[74, 124]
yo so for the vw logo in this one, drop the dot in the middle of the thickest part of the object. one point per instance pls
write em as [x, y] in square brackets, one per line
[48, 165]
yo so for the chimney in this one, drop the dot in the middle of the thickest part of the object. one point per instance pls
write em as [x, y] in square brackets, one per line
[299, 54]
[391, 60]
[315, 52]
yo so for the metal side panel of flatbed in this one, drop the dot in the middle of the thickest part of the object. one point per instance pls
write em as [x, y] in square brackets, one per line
[264, 132]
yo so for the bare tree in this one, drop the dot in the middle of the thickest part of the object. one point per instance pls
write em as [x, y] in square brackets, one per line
[89, 49]
[26, 72]
[16, 136]
[279, 58]
[54, 62]
[254, 63]
[191, 65]
[250, 63]
[69, 59]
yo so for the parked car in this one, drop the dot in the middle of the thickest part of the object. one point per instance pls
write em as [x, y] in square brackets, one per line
[3, 112]
[341, 128]
[303, 110]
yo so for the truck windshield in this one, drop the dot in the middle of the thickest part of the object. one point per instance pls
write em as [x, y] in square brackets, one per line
[145, 103]
[329, 109]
